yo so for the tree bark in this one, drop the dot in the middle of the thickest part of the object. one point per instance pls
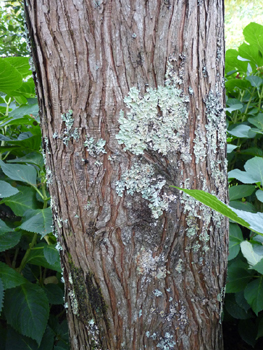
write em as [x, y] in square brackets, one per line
[144, 265]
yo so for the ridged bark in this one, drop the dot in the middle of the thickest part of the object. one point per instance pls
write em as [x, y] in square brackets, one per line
[133, 281]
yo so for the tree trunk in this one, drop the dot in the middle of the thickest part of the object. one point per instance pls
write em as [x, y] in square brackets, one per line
[131, 101]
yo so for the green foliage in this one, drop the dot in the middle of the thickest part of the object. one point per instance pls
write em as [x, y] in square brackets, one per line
[30, 292]
[12, 41]
[244, 90]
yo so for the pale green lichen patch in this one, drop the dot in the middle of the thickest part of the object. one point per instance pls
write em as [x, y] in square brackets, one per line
[140, 178]
[68, 133]
[154, 121]
[167, 342]
[95, 148]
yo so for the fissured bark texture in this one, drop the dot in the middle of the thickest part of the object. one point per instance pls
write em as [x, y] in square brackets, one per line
[134, 281]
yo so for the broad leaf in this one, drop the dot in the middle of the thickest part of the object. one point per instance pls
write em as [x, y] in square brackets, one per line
[30, 158]
[4, 228]
[54, 293]
[240, 191]
[9, 240]
[39, 221]
[242, 131]
[235, 238]
[253, 34]
[257, 121]
[254, 167]
[21, 202]
[21, 64]
[259, 195]
[238, 277]
[242, 176]
[18, 172]
[234, 309]
[249, 253]
[36, 257]
[51, 254]
[254, 81]
[10, 277]
[6, 190]
[27, 310]
[254, 294]
[10, 78]
[2, 294]
[230, 148]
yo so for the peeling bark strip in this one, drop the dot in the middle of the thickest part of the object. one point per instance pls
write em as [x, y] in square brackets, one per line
[131, 101]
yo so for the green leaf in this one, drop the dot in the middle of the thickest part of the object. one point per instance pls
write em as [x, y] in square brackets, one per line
[233, 108]
[30, 109]
[6, 190]
[241, 131]
[257, 121]
[26, 89]
[259, 266]
[21, 202]
[51, 254]
[254, 294]
[252, 151]
[234, 309]
[241, 301]
[10, 277]
[25, 140]
[254, 167]
[16, 341]
[35, 158]
[253, 34]
[230, 148]
[10, 78]
[39, 221]
[2, 295]
[242, 176]
[9, 240]
[233, 62]
[36, 257]
[260, 329]
[253, 173]
[254, 81]
[252, 53]
[240, 191]
[21, 64]
[27, 310]
[238, 277]
[235, 238]
[214, 203]
[249, 253]
[54, 293]
[244, 206]
[4, 228]
[24, 173]
[259, 195]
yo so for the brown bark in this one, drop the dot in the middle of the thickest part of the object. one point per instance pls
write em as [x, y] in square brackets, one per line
[133, 281]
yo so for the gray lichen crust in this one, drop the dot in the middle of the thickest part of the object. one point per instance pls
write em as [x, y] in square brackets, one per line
[140, 178]
[154, 121]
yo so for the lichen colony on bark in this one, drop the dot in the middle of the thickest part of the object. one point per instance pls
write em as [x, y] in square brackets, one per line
[131, 101]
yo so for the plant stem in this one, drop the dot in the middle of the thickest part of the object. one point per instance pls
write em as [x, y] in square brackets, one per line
[24, 260]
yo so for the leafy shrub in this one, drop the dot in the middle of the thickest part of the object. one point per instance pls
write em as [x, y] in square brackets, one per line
[31, 292]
